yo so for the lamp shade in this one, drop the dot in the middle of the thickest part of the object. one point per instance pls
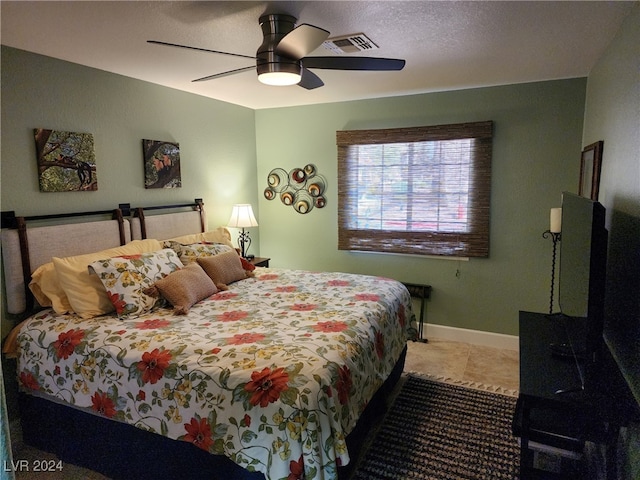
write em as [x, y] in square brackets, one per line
[242, 216]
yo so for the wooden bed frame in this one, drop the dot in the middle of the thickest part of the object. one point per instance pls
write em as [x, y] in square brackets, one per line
[112, 448]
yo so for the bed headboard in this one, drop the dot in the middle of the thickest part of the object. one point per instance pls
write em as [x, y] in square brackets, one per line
[144, 224]
[29, 242]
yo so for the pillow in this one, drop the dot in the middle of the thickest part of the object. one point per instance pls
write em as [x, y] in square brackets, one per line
[47, 290]
[183, 288]
[189, 253]
[247, 265]
[219, 235]
[125, 278]
[87, 297]
[223, 269]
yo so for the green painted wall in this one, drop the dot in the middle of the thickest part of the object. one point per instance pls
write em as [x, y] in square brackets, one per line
[217, 139]
[536, 155]
[217, 146]
[537, 141]
[612, 114]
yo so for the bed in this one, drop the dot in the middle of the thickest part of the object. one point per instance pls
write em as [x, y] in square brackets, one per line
[277, 374]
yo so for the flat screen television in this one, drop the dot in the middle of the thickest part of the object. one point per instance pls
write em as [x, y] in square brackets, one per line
[582, 272]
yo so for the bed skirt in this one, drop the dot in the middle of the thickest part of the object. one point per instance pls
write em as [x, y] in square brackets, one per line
[120, 451]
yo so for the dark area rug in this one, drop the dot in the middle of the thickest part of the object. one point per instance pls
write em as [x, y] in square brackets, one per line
[438, 431]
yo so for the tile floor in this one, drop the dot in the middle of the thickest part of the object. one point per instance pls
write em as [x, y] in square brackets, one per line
[465, 362]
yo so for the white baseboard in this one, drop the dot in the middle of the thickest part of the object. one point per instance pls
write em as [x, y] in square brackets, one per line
[475, 337]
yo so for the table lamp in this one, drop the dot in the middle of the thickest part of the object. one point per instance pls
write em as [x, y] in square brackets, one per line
[242, 217]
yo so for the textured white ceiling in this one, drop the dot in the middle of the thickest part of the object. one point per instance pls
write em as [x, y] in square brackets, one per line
[447, 45]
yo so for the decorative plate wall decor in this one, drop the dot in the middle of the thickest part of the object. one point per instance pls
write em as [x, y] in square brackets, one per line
[301, 188]
[66, 161]
[161, 164]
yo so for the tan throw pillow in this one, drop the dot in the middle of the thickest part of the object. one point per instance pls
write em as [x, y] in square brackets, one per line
[184, 287]
[223, 269]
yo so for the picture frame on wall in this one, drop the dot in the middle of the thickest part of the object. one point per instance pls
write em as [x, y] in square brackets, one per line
[590, 166]
[66, 161]
[161, 164]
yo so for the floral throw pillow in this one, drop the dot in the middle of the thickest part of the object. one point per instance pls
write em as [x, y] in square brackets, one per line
[190, 253]
[125, 278]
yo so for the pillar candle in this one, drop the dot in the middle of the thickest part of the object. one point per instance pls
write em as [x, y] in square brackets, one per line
[555, 220]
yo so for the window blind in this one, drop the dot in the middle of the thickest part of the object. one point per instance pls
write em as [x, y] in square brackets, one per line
[417, 190]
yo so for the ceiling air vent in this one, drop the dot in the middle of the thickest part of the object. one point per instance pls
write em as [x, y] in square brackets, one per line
[357, 42]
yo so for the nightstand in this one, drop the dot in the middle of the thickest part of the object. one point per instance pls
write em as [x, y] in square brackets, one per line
[260, 261]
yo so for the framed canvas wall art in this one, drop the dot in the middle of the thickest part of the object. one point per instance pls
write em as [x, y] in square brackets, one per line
[66, 161]
[161, 164]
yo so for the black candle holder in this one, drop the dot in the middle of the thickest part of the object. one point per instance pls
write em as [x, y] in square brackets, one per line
[555, 237]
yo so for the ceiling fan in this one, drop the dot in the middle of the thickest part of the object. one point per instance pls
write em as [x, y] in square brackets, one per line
[281, 58]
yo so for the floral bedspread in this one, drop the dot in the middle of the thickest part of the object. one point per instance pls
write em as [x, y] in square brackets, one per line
[272, 373]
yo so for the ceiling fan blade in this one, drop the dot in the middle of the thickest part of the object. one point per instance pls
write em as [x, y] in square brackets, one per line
[157, 42]
[301, 41]
[224, 74]
[310, 80]
[354, 63]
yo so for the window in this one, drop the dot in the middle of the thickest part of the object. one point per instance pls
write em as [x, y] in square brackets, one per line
[419, 190]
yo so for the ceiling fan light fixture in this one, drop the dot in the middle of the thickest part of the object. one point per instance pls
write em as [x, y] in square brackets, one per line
[279, 79]
[284, 49]
[280, 74]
